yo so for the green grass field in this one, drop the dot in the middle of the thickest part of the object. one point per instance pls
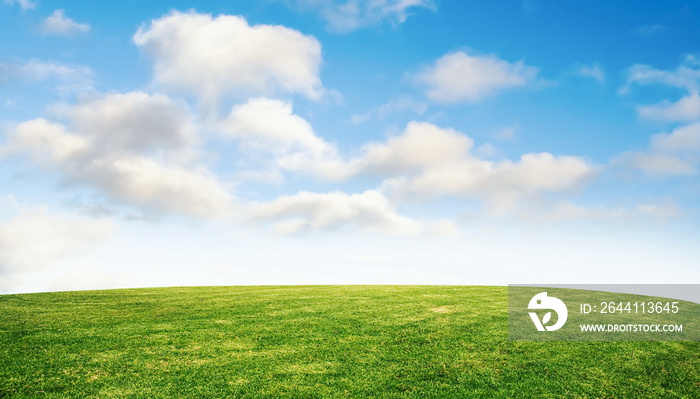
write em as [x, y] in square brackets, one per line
[313, 342]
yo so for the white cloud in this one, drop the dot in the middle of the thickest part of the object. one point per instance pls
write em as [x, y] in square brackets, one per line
[23, 4]
[269, 127]
[594, 71]
[349, 15]
[58, 24]
[307, 211]
[134, 122]
[424, 161]
[656, 164]
[36, 238]
[48, 143]
[420, 146]
[39, 71]
[128, 146]
[565, 211]
[214, 57]
[692, 59]
[427, 161]
[111, 125]
[187, 190]
[65, 79]
[500, 184]
[684, 110]
[675, 153]
[686, 77]
[459, 76]
[684, 138]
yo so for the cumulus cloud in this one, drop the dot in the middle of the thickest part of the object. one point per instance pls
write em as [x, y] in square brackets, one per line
[427, 161]
[132, 123]
[420, 146]
[127, 146]
[349, 15]
[675, 153]
[57, 24]
[48, 143]
[686, 77]
[423, 162]
[23, 4]
[370, 211]
[459, 76]
[35, 238]
[270, 127]
[500, 184]
[144, 181]
[224, 56]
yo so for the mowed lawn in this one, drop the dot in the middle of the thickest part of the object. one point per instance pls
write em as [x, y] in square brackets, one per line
[313, 342]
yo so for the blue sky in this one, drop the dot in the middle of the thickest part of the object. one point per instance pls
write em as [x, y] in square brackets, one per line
[348, 142]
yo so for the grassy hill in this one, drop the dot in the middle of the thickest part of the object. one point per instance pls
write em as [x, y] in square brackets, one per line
[313, 342]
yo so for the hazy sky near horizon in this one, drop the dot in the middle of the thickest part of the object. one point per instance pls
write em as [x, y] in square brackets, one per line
[232, 142]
